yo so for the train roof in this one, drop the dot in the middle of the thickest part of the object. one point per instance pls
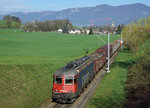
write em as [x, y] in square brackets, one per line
[97, 55]
[73, 67]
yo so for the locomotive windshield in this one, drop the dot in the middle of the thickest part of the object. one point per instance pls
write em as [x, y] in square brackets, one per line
[69, 80]
[58, 79]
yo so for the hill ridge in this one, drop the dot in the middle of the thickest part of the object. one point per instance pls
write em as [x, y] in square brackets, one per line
[80, 16]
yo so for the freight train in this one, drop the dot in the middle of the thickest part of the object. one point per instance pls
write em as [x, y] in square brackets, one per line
[70, 81]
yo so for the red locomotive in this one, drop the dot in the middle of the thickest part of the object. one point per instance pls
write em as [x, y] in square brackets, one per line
[69, 81]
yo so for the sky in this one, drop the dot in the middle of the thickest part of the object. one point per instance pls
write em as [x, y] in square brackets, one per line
[10, 6]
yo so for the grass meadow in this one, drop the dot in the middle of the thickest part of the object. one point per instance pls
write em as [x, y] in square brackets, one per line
[110, 92]
[28, 61]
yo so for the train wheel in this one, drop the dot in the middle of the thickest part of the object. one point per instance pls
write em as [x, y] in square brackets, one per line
[82, 90]
[89, 81]
[72, 100]
[53, 100]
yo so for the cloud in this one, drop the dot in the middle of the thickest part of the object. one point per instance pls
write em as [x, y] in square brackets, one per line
[13, 6]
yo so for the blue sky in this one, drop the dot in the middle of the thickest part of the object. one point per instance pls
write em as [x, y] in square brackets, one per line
[9, 6]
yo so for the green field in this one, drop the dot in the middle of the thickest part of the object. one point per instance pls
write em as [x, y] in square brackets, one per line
[10, 31]
[42, 47]
[28, 60]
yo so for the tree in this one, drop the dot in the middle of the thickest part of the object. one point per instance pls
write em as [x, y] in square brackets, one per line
[8, 23]
[28, 27]
[137, 33]
[65, 29]
[9, 19]
[91, 31]
[16, 25]
[16, 19]
[120, 28]
[118, 31]
[100, 30]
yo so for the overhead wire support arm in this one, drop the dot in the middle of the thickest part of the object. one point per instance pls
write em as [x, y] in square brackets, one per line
[101, 39]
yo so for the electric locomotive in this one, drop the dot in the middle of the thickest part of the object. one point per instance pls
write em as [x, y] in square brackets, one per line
[71, 79]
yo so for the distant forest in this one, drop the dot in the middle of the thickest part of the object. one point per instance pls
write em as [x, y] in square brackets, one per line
[15, 22]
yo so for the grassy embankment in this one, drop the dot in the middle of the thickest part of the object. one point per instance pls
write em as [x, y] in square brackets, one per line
[28, 60]
[111, 92]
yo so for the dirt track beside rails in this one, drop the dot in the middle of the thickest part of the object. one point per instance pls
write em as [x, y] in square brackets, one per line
[81, 101]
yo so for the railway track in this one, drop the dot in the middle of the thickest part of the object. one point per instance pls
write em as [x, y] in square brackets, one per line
[81, 101]
[56, 105]
[61, 106]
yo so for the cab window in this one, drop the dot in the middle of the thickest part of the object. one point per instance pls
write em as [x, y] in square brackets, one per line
[69, 80]
[75, 80]
[58, 79]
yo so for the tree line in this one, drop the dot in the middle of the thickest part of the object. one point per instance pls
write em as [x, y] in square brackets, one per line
[47, 25]
[136, 35]
[107, 28]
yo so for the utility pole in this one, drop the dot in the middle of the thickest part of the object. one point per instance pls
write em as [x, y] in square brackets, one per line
[108, 53]
[92, 23]
[108, 50]
[121, 42]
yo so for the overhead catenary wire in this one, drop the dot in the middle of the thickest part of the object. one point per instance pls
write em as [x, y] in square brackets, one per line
[101, 39]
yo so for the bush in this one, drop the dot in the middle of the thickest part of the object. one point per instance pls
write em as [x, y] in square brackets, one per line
[138, 83]
[137, 33]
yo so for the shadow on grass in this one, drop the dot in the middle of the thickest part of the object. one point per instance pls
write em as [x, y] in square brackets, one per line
[111, 101]
[128, 61]
[125, 64]
[126, 50]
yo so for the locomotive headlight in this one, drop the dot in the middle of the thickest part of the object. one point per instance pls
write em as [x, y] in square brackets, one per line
[70, 91]
[56, 90]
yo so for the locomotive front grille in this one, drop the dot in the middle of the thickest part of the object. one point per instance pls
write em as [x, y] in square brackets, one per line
[64, 95]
